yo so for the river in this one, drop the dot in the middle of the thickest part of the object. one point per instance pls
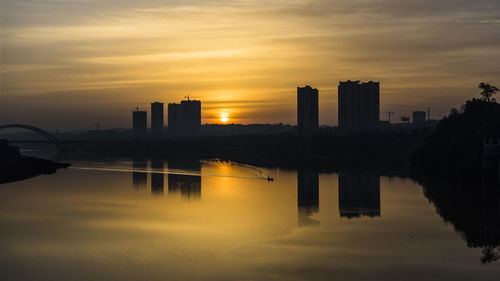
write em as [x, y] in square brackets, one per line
[186, 219]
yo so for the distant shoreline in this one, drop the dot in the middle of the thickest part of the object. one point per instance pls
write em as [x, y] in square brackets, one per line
[292, 150]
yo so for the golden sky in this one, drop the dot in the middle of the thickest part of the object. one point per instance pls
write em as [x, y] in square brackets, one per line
[72, 63]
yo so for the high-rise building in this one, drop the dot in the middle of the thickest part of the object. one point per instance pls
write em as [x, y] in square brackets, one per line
[418, 117]
[157, 119]
[184, 119]
[139, 123]
[307, 109]
[359, 105]
[190, 113]
[174, 119]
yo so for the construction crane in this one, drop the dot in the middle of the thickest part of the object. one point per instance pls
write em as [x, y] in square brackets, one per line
[389, 113]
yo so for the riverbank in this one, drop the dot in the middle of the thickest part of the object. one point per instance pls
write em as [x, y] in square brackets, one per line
[28, 167]
[394, 148]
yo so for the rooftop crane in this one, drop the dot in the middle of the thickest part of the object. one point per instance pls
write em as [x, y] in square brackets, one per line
[389, 113]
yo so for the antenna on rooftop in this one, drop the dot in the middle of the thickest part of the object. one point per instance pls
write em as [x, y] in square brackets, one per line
[428, 114]
[187, 97]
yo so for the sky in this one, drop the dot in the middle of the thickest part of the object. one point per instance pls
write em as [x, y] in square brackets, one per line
[68, 64]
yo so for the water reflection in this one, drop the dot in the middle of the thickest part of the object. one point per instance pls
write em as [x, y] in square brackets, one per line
[188, 186]
[307, 191]
[139, 179]
[473, 211]
[359, 194]
[244, 228]
[307, 195]
[157, 179]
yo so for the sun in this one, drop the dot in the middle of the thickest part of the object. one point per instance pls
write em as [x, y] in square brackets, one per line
[224, 117]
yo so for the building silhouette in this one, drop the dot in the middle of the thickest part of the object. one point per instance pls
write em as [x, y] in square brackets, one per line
[359, 105]
[418, 117]
[307, 109]
[139, 176]
[157, 119]
[157, 176]
[188, 186]
[190, 118]
[139, 123]
[359, 194]
[184, 119]
[174, 119]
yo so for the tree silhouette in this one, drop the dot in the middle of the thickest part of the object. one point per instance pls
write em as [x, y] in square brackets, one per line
[487, 91]
[489, 255]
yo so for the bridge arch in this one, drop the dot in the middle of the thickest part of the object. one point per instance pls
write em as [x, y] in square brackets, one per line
[41, 132]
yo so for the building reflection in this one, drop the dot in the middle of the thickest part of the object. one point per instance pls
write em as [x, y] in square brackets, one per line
[157, 176]
[139, 175]
[359, 194]
[187, 185]
[307, 195]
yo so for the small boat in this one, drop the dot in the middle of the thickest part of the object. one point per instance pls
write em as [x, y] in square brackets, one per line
[270, 179]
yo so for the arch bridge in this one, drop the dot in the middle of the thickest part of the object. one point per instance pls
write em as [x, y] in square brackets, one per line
[41, 132]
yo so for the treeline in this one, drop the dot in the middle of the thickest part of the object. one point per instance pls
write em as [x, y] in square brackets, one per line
[286, 149]
[454, 148]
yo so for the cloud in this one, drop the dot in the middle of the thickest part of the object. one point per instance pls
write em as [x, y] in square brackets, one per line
[245, 50]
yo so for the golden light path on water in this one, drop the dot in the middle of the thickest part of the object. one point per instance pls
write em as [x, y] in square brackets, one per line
[110, 220]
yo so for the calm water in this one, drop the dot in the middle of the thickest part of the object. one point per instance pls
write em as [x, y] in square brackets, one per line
[189, 220]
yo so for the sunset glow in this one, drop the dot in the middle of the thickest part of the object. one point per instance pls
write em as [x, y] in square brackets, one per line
[224, 117]
[104, 58]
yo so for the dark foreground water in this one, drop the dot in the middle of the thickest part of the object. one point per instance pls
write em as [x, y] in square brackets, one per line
[191, 220]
